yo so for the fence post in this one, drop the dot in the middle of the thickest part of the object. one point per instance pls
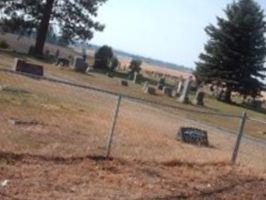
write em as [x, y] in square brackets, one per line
[239, 137]
[111, 134]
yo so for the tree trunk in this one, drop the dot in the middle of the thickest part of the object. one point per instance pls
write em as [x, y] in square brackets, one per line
[43, 28]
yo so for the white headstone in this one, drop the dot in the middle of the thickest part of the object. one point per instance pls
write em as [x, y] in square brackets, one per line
[184, 96]
[179, 87]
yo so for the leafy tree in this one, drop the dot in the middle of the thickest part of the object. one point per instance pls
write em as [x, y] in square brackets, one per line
[103, 58]
[235, 54]
[135, 66]
[72, 17]
[115, 63]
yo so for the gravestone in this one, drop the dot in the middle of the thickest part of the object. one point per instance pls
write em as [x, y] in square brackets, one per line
[136, 78]
[193, 136]
[174, 92]
[62, 62]
[159, 87]
[79, 64]
[89, 69]
[199, 98]
[18, 63]
[167, 91]
[180, 87]
[161, 83]
[146, 85]
[150, 90]
[130, 75]
[29, 68]
[257, 104]
[184, 96]
[254, 103]
[124, 83]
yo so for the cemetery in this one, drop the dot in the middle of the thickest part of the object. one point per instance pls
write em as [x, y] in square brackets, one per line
[45, 131]
[80, 120]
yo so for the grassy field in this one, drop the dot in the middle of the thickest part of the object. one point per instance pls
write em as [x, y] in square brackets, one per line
[56, 152]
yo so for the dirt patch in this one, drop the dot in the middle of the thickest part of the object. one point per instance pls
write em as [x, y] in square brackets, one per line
[41, 177]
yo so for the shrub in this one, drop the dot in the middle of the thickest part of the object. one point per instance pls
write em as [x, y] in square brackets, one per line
[4, 44]
[103, 58]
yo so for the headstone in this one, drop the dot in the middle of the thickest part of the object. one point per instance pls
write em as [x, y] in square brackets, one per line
[29, 68]
[130, 75]
[136, 78]
[79, 64]
[258, 104]
[89, 69]
[184, 96]
[62, 62]
[193, 136]
[14, 121]
[199, 98]
[124, 83]
[18, 63]
[180, 87]
[150, 90]
[161, 83]
[254, 103]
[174, 92]
[146, 85]
[167, 91]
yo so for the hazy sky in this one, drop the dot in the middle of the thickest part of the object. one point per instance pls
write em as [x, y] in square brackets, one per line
[170, 30]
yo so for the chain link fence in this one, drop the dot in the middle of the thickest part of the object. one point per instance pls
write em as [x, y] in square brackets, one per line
[53, 117]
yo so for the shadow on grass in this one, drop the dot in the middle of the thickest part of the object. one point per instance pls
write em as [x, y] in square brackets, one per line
[11, 158]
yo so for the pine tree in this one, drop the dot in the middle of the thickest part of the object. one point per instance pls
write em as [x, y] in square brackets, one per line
[235, 54]
[72, 17]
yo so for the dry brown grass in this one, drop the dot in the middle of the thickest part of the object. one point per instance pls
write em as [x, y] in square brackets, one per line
[147, 67]
[37, 177]
[49, 160]
[71, 117]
